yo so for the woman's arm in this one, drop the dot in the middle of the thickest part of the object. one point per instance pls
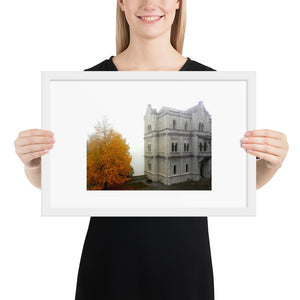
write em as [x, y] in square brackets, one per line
[271, 147]
[33, 175]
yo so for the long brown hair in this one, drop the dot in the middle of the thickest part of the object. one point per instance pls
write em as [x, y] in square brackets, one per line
[177, 29]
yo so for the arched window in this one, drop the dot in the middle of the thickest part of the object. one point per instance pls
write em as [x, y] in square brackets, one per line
[187, 146]
[149, 127]
[149, 166]
[186, 167]
[175, 147]
[200, 147]
[205, 146]
[174, 124]
[149, 147]
[186, 126]
[184, 147]
[174, 169]
[199, 126]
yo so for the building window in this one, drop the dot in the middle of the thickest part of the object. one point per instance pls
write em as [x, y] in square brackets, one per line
[186, 147]
[186, 167]
[174, 169]
[149, 167]
[149, 147]
[205, 146]
[186, 126]
[149, 127]
[174, 124]
[201, 126]
[200, 147]
[174, 147]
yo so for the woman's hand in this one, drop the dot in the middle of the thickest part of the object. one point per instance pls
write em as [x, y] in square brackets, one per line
[269, 145]
[31, 144]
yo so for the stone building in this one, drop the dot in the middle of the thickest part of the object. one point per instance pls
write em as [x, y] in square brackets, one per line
[177, 144]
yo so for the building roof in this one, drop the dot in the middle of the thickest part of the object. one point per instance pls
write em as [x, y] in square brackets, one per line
[189, 111]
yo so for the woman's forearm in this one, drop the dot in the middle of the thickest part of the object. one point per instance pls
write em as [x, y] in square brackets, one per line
[34, 175]
[263, 173]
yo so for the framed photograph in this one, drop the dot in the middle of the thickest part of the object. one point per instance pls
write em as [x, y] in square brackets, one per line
[142, 143]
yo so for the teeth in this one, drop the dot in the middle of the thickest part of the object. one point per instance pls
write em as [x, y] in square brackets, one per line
[150, 18]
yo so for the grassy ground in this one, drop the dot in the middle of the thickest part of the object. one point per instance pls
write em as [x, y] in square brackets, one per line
[203, 184]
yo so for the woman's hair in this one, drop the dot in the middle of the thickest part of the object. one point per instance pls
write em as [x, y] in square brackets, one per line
[177, 29]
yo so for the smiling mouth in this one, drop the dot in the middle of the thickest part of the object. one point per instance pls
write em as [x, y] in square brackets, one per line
[150, 18]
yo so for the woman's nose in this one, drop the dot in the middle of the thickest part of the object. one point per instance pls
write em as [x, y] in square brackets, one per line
[149, 4]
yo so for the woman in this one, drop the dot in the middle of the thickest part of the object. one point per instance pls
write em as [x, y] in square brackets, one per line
[149, 257]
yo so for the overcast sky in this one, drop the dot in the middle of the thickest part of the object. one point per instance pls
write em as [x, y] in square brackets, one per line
[125, 104]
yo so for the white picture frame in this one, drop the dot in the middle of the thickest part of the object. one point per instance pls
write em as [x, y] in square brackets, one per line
[70, 101]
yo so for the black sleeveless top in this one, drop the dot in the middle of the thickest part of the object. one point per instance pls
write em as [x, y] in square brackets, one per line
[146, 258]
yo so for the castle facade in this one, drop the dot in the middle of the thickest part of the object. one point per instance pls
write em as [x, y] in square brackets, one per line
[177, 144]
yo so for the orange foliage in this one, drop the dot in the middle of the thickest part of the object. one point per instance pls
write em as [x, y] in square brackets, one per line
[108, 159]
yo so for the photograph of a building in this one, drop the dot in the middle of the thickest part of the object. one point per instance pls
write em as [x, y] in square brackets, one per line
[177, 144]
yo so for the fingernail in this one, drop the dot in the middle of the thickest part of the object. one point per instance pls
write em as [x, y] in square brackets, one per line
[50, 133]
[248, 133]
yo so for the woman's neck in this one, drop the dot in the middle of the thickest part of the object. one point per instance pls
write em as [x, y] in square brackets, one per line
[149, 55]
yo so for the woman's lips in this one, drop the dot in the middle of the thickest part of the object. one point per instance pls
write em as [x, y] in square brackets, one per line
[150, 19]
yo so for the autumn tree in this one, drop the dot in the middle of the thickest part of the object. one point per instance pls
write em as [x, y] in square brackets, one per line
[108, 157]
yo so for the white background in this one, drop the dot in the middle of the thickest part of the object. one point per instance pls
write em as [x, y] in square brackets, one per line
[253, 258]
